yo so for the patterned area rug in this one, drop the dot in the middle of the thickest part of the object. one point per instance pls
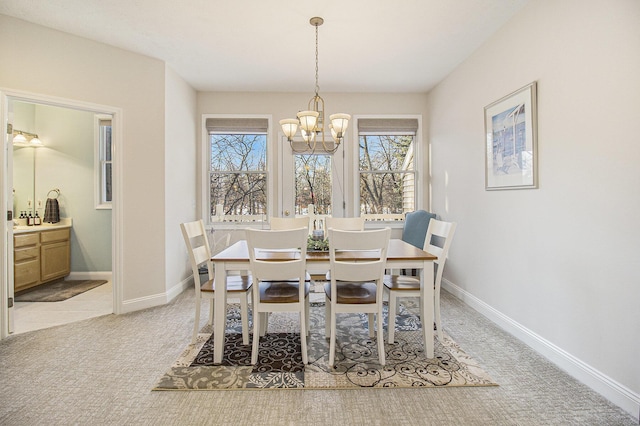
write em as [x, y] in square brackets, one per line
[356, 366]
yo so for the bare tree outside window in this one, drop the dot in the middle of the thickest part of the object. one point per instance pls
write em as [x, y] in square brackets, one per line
[238, 174]
[313, 183]
[387, 174]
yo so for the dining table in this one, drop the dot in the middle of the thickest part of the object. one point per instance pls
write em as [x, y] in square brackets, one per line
[400, 255]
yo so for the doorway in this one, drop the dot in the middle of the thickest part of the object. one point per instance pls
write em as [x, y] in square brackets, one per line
[68, 134]
[312, 178]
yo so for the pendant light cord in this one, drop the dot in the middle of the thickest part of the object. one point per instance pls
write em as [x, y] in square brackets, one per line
[317, 85]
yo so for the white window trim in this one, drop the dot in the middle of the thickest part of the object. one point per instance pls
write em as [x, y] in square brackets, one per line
[419, 163]
[204, 172]
[97, 166]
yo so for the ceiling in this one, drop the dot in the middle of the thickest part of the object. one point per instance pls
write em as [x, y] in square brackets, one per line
[269, 45]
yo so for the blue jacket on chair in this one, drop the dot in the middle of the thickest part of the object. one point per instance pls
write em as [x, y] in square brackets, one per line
[415, 227]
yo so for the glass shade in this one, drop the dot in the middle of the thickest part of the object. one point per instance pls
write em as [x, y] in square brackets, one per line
[308, 120]
[289, 127]
[339, 123]
[35, 141]
[19, 139]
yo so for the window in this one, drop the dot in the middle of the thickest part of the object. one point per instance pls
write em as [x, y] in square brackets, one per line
[238, 178]
[386, 166]
[104, 192]
[313, 183]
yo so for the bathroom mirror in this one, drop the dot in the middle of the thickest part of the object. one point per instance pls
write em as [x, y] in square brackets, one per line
[24, 161]
[24, 158]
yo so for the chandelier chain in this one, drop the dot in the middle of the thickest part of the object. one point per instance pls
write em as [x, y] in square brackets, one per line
[317, 85]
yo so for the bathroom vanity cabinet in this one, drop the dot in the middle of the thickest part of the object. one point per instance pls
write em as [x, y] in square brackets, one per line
[41, 255]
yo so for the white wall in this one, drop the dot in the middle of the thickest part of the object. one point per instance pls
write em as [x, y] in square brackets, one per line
[74, 68]
[562, 260]
[180, 177]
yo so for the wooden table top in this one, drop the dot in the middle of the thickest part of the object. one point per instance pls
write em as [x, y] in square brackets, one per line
[398, 250]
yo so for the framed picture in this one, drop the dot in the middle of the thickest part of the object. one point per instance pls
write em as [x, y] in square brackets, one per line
[511, 158]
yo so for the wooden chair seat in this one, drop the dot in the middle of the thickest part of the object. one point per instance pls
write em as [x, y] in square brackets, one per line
[281, 291]
[353, 293]
[234, 284]
[401, 283]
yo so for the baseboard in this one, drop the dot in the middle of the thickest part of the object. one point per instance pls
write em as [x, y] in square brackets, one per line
[615, 392]
[140, 303]
[179, 288]
[156, 299]
[99, 275]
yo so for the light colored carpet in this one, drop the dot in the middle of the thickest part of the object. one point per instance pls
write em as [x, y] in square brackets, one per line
[101, 371]
[357, 366]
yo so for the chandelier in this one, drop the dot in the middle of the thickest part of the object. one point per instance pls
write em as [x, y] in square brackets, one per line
[311, 121]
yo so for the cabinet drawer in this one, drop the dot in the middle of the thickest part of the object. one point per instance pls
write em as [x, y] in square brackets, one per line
[24, 254]
[26, 273]
[57, 235]
[23, 240]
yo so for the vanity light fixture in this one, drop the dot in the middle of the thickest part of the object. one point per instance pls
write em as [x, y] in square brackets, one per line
[21, 138]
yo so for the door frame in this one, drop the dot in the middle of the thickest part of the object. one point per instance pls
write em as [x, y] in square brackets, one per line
[6, 247]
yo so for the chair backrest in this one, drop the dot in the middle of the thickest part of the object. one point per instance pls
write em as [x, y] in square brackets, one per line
[281, 223]
[415, 227]
[443, 231]
[220, 243]
[195, 238]
[278, 255]
[370, 262]
[345, 223]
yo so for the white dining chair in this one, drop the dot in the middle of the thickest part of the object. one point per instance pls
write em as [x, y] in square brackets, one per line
[356, 285]
[279, 279]
[195, 238]
[345, 223]
[280, 223]
[437, 242]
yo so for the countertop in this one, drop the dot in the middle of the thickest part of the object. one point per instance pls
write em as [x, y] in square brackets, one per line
[65, 222]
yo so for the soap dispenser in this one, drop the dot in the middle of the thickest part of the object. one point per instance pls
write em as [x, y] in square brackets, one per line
[37, 220]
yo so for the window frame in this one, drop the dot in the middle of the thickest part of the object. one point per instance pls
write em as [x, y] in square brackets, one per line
[205, 173]
[100, 162]
[418, 161]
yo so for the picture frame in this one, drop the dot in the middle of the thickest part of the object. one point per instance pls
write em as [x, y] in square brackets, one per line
[511, 157]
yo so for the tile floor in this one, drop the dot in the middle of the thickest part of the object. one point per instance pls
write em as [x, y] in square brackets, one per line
[29, 316]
